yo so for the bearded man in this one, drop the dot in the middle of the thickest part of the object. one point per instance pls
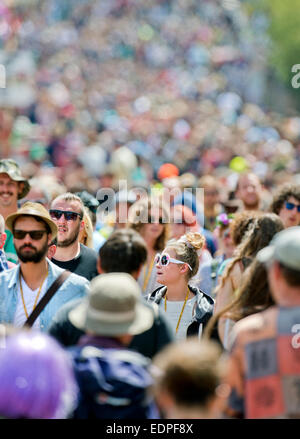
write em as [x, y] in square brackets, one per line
[67, 212]
[22, 287]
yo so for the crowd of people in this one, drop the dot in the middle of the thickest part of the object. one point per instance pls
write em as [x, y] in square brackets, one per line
[167, 317]
[166, 80]
[149, 215]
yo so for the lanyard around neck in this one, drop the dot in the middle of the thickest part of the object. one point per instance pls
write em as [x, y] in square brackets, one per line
[182, 309]
[148, 273]
[37, 296]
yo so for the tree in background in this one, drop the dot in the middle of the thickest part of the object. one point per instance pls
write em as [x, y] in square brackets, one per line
[283, 28]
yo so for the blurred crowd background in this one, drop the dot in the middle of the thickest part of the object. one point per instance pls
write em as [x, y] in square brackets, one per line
[102, 90]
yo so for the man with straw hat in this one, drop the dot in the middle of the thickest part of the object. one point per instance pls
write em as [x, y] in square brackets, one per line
[24, 286]
[13, 187]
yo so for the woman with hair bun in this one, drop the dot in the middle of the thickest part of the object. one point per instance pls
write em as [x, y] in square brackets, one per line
[187, 308]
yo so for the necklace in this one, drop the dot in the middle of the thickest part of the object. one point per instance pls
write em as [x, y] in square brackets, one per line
[37, 296]
[147, 276]
[182, 309]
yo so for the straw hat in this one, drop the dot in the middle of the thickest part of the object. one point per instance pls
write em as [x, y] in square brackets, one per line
[35, 210]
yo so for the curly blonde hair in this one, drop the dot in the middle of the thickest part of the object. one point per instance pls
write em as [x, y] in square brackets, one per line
[187, 250]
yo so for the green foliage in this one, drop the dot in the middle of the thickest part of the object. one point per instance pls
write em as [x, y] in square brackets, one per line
[284, 31]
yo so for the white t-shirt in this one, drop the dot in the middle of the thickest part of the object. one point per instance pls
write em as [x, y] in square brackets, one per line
[173, 313]
[29, 299]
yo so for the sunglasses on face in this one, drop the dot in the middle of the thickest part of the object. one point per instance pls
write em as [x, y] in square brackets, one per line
[164, 260]
[69, 215]
[36, 235]
[153, 220]
[291, 206]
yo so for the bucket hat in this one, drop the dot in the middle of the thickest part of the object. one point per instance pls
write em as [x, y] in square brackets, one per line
[32, 209]
[113, 307]
[12, 169]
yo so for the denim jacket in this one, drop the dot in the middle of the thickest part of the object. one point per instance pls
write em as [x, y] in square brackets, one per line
[74, 287]
[3, 261]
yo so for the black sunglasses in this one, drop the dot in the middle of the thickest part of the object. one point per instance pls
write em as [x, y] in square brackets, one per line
[34, 234]
[291, 206]
[69, 215]
[154, 220]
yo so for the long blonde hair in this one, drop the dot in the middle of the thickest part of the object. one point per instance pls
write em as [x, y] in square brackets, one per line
[86, 236]
[258, 235]
[138, 217]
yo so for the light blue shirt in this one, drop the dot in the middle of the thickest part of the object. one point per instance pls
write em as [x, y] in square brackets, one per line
[73, 287]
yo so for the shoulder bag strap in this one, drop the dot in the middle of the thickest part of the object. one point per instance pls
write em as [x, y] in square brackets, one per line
[47, 297]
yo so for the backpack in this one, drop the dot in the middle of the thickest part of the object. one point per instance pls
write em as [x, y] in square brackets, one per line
[113, 384]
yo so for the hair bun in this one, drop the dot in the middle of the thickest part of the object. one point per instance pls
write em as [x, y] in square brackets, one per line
[193, 240]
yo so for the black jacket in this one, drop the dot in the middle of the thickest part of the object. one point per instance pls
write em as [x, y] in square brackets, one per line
[148, 343]
[202, 311]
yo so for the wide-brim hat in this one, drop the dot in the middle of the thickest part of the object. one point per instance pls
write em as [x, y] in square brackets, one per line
[12, 169]
[35, 210]
[113, 307]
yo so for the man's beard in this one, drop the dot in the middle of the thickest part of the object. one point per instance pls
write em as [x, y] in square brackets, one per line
[253, 205]
[36, 257]
[69, 241]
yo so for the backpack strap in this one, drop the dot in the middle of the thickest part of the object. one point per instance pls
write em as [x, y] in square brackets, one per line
[47, 297]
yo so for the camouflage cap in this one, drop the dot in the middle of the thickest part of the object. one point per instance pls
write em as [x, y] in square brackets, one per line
[12, 169]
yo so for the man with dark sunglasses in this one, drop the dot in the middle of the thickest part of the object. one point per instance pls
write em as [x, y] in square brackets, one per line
[67, 213]
[22, 287]
[286, 204]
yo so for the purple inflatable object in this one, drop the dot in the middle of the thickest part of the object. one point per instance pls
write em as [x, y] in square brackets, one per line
[36, 378]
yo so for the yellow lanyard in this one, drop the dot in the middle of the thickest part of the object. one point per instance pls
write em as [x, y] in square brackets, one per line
[37, 296]
[147, 277]
[182, 309]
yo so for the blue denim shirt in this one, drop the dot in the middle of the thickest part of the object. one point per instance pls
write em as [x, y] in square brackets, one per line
[3, 261]
[74, 287]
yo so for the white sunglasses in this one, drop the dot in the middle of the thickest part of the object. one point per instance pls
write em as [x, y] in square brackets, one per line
[164, 260]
